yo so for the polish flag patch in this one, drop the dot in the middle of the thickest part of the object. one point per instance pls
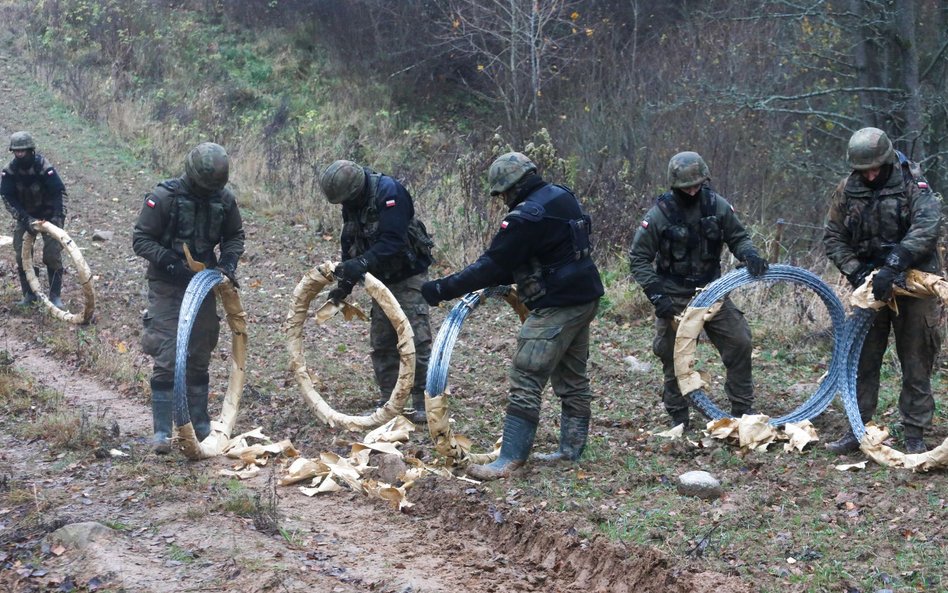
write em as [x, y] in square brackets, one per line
[644, 224]
[389, 203]
[922, 185]
[503, 225]
[51, 172]
[150, 203]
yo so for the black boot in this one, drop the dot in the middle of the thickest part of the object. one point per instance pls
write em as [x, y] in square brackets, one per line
[738, 410]
[915, 445]
[518, 440]
[419, 415]
[574, 430]
[197, 410]
[847, 444]
[680, 417]
[161, 402]
[55, 287]
[29, 297]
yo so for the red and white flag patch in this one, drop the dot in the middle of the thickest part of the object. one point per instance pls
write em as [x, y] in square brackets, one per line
[51, 172]
[922, 185]
[150, 203]
[389, 203]
[644, 224]
[503, 225]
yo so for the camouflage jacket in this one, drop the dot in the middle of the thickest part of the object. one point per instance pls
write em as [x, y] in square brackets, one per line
[172, 217]
[864, 224]
[37, 192]
[676, 257]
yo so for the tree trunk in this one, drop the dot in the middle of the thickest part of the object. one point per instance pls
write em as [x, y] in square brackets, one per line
[904, 35]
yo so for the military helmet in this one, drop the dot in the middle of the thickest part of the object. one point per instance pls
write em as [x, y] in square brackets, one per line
[342, 181]
[22, 141]
[687, 169]
[869, 148]
[507, 170]
[207, 166]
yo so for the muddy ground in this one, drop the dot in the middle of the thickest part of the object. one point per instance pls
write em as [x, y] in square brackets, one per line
[612, 523]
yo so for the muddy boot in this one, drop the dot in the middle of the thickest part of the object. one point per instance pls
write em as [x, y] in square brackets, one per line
[518, 440]
[915, 445]
[418, 415]
[847, 444]
[197, 410]
[574, 430]
[55, 287]
[738, 410]
[161, 401]
[680, 417]
[29, 297]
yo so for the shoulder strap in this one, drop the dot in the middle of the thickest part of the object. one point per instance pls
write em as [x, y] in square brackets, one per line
[708, 203]
[670, 209]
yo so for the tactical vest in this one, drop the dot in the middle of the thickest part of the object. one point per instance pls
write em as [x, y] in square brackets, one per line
[363, 231]
[31, 191]
[547, 270]
[196, 222]
[690, 254]
[878, 220]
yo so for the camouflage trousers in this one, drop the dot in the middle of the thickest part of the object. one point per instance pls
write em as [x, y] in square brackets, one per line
[553, 347]
[918, 337]
[731, 336]
[384, 339]
[160, 335]
[52, 250]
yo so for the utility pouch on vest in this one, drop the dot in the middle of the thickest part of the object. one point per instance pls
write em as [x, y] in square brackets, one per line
[419, 242]
[529, 279]
[710, 238]
[677, 237]
[580, 230]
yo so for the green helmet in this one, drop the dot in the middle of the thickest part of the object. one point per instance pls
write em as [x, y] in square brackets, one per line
[687, 169]
[342, 181]
[207, 166]
[869, 148]
[507, 170]
[22, 141]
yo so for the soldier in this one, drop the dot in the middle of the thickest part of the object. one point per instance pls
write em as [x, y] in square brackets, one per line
[32, 192]
[382, 235]
[543, 245]
[885, 217]
[684, 234]
[198, 211]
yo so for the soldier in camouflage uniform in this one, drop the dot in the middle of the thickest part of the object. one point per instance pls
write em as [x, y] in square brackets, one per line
[543, 246]
[675, 252]
[32, 191]
[381, 235]
[196, 210]
[885, 217]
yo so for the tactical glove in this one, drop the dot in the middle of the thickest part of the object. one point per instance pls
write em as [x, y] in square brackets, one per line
[756, 265]
[28, 222]
[431, 291]
[177, 268]
[58, 221]
[882, 283]
[352, 270]
[664, 305]
[342, 290]
[857, 278]
[228, 267]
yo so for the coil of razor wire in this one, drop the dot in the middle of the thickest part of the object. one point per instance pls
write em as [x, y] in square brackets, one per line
[857, 328]
[826, 391]
[202, 283]
[442, 347]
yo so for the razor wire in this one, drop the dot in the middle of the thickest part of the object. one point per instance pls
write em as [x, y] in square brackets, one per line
[844, 338]
[857, 328]
[202, 283]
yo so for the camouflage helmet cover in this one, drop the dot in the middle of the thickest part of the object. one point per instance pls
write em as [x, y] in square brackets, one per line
[207, 166]
[687, 169]
[507, 170]
[869, 148]
[342, 181]
[22, 141]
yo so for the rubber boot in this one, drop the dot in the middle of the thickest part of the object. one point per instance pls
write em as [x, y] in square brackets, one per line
[419, 415]
[846, 444]
[29, 297]
[518, 440]
[915, 445]
[680, 417]
[197, 410]
[574, 430]
[55, 287]
[161, 402]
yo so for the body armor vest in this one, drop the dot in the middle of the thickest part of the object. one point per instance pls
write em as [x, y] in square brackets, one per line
[690, 254]
[196, 222]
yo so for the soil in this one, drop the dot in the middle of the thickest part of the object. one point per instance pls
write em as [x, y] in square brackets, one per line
[173, 524]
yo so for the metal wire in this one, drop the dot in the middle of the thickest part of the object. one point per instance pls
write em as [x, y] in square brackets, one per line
[202, 283]
[828, 387]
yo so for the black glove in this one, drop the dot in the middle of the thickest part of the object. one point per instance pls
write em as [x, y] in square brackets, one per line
[857, 278]
[756, 265]
[27, 222]
[342, 290]
[882, 283]
[352, 270]
[58, 221]
[177, 268]
[431, 291]
[664, 305]
[228, 267]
